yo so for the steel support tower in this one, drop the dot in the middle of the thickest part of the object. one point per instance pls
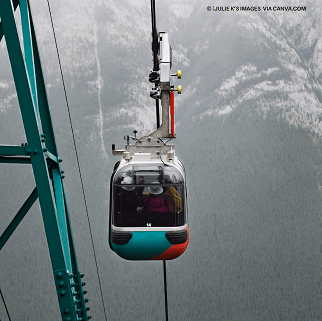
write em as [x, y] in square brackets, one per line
[41, 153]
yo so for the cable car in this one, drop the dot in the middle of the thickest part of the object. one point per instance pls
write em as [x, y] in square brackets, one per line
[148, 195]
[148, 212]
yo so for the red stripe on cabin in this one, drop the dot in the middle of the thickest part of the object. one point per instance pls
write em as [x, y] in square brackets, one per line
[173, 251]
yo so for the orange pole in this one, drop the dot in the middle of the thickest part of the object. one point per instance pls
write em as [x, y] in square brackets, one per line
[172, 112]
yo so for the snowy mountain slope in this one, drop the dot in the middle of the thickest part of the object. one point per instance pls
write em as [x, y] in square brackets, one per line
[280, 69]
[260, 59]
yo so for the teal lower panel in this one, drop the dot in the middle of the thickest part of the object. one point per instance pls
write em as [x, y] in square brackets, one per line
[143, 246]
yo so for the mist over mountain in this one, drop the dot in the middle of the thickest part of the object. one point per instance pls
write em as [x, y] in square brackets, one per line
[248, 126]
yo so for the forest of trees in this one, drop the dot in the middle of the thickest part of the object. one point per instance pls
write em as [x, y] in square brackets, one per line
[255, 231]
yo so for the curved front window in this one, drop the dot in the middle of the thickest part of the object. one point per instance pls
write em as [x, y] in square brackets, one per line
[148, 196]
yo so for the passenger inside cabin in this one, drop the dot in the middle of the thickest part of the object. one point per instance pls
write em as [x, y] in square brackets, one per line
[174, 198]
[157, 201]
[131, 199]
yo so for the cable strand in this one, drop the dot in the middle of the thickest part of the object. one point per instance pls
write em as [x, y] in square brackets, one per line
[165, 290]
[4, 303]
[78, 164]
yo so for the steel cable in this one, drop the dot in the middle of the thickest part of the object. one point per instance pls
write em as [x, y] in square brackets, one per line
[165, 290]
[78, 164]
[4, 303]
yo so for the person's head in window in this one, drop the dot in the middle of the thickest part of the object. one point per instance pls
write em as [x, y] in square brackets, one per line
[128, 181]
[155, 190]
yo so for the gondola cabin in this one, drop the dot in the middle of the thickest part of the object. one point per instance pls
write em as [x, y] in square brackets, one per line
[148, 201]
[148, 212]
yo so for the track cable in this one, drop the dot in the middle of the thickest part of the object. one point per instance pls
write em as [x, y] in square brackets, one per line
[165, 290]
[78, 164]
[4, 303]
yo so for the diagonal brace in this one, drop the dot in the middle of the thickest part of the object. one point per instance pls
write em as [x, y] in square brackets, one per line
[18, 218]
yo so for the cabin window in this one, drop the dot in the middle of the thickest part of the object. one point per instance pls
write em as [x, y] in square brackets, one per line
[148, 196]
